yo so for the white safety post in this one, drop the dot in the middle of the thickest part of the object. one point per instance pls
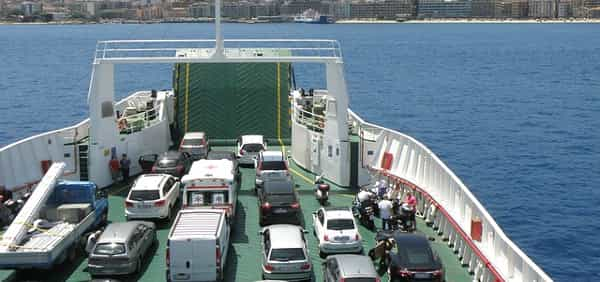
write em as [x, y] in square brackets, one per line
[219, 48]
[32, 207]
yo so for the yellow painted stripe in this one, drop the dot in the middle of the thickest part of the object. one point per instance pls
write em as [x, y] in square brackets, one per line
[187, 94]
[304, 177]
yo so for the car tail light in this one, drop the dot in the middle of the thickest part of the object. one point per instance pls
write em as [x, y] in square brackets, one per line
[295, 205]
[342, 279]
[218, 256]
[357, 237]
[168, 257]
[159, 203]
[377, 279]
[404, 273]
[438, 273]
[153, 168]
[305, 266]
[242, 151]
[128, 204]
[326, 238]
[266, 206]
[203, 142]
[268, 267]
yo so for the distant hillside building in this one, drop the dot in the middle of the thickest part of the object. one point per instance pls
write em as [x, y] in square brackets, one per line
[389, 10]
[542, 8]
[565, 8]
[520, 9]
[444, 8]
[30, 8]
[483, 8]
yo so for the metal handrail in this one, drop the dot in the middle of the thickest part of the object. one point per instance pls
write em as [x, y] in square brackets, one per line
[309, 119]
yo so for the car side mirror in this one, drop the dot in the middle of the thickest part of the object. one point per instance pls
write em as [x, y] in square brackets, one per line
[315, 213]
[177, 179]
[304, 231]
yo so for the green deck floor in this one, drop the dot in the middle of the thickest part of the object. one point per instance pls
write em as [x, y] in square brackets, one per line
[243, 261]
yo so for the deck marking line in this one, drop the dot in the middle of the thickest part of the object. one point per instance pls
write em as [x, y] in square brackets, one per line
[308, 180]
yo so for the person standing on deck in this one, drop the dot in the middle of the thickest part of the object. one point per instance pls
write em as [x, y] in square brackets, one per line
[125, 164]
[115, 168]
[385, 211]
[411, 200]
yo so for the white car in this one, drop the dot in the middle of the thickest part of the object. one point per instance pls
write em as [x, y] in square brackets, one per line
[284, 253]
[152, 196]
[336, 231]
[271, 165]
[248, 147]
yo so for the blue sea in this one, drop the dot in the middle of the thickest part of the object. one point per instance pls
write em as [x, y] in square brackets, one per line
[513, 109]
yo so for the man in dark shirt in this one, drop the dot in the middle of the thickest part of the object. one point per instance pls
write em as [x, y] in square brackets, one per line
[125, 164]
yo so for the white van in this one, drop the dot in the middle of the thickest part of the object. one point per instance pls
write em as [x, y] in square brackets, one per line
[212, 184]
[197, 245]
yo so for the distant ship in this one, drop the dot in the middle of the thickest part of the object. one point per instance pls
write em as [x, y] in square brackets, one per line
[313, 17]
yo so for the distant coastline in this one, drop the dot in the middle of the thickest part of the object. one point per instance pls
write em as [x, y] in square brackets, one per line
[343, 21]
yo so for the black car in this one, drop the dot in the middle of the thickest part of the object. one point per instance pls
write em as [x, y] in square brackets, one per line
[173, 162]
[278, 202]
[219, 155]
[413, 260]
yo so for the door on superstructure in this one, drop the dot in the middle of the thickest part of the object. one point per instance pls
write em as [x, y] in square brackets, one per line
[315, 148]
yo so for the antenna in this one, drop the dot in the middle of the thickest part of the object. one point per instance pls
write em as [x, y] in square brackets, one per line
[219, 50]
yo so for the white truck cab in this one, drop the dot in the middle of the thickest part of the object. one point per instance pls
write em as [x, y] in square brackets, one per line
[197, 245]
[211, 184]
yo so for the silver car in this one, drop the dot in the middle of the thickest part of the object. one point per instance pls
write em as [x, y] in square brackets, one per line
[121, 248]
[349, 268]
[284, 253]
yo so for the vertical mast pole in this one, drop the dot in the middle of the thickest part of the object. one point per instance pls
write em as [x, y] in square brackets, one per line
[219, 37]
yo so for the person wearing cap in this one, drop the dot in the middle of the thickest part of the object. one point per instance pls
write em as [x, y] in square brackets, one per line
[385, 211]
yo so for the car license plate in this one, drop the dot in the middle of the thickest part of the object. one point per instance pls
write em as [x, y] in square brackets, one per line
[280, 210]
[144, 206]
[422, 275]
[341, 238]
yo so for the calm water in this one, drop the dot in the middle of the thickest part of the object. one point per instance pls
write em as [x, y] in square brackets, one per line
[514, 109]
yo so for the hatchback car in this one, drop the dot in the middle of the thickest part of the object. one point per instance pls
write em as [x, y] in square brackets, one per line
[271, 165]
[195, 144]
[121, 248]
[278, 202]
[248, 147]
[173, 163]
[336, 231]
[284, 253]
[413, 260]
[152, 196]
[349, 268]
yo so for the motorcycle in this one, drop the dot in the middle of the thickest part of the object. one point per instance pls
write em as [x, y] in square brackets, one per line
[382, 249]
[365, 213]
[321, 191]
[404, 218]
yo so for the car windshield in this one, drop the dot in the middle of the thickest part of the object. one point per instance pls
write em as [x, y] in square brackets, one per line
[416, 256]
[279, 187]
[273, 165]
[287, 254]
[220, 156]
[340, 224]
[144, 195]
[252, 148]
[166, 163]
[109, 249]
[193, 142]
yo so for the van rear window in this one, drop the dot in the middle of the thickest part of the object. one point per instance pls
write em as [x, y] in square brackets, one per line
[144, 195]
[193, 142]
[287, 254]
[253, 148]
[202, 198]
[280, 187]
[273, 165]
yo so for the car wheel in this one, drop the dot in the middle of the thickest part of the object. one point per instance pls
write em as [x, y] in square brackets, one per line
[322, 255]
[169, 214]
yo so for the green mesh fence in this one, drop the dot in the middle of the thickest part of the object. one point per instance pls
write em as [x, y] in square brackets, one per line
[227, 100]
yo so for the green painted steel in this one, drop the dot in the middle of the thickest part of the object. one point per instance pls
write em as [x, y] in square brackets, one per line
[227, 100]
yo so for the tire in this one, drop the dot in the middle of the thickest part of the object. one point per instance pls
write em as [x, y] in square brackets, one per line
[138, 265]
[104, 218]
[322, 255]
[169, 214]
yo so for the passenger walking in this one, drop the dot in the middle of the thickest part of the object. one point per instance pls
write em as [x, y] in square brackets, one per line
[115, 168]
[125, 164]
[385, 211]
[382, 189]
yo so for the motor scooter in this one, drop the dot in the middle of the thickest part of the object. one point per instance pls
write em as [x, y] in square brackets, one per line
[321, 190]
[406, 215]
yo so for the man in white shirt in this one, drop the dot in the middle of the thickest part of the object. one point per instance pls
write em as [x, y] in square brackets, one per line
[385, 211]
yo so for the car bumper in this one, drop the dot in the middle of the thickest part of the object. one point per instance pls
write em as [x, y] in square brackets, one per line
[159, 213]
[287, 276]
[340, 248]
[122, 269]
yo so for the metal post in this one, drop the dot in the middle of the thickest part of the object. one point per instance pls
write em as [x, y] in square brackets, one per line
[219, 52]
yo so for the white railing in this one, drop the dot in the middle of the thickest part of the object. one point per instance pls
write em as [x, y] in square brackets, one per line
[447, 203]
[311, 121]
[184, 50]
